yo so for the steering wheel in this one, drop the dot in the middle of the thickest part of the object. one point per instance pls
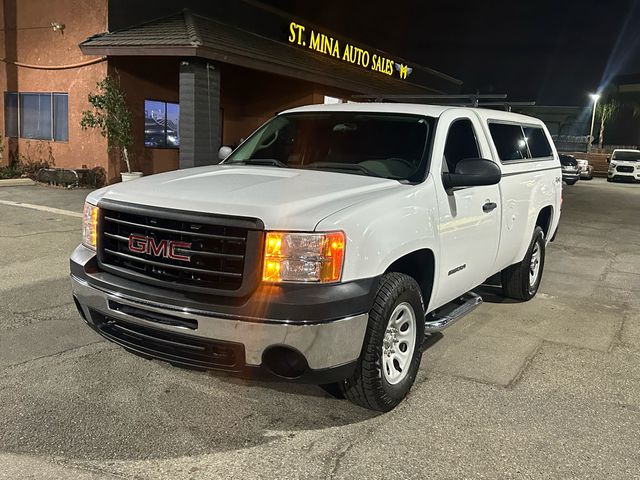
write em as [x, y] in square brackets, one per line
[267, 145]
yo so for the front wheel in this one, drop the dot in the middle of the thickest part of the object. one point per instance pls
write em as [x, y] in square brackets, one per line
[570, 182]
[522, 280]
[392, 347]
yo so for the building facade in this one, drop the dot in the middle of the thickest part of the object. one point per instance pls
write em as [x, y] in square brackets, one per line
[196, 76]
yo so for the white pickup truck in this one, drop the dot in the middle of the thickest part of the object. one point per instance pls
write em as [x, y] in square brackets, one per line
[325, 246]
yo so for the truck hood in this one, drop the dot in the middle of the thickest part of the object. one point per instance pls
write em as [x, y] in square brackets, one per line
[283, 198]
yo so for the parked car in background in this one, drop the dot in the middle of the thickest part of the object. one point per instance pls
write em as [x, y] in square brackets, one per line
[624, 165]
[570, 169]
[586, 170]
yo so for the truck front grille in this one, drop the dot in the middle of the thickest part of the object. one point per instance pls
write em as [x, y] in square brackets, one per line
[624, 169]
[178, 250]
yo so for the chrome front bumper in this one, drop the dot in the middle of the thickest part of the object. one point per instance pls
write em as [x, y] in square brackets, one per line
[324, 345]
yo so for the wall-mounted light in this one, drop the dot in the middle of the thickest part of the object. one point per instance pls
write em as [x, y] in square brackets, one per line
[58, 27]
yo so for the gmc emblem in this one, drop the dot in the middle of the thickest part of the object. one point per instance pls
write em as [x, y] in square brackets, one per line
[157, 248]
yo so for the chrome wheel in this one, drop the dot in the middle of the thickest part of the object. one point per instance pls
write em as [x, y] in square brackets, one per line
[399, 343]
[534, 266]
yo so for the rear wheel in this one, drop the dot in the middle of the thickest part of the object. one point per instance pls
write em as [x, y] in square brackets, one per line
[392, 351]
[521, 281]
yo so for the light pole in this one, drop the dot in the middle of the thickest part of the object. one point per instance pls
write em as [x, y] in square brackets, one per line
[595, 97]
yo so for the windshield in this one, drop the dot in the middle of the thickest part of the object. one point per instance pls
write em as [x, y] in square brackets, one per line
[627, 156]
[383, 145]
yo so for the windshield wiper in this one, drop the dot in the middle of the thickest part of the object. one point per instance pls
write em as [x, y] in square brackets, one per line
[271, 162]
[352, 167]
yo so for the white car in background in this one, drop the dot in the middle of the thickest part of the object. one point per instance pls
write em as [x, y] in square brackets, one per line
[586, 170]
[624, 164]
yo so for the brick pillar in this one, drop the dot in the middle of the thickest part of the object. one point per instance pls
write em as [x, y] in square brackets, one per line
[199, 113]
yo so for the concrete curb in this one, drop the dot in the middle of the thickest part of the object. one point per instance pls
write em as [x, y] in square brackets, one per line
[16, 182]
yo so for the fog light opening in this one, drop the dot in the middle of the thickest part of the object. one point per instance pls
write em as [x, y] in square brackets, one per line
[284, 362]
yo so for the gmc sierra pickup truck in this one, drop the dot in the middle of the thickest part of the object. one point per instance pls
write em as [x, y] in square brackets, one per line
[326, 246]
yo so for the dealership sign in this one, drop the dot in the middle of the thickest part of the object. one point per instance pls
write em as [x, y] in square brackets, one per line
[345, 52]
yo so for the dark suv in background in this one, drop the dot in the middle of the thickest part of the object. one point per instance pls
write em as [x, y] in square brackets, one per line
[570, 169]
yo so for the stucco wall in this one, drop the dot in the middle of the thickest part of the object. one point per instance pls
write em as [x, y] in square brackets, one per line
[27, 37]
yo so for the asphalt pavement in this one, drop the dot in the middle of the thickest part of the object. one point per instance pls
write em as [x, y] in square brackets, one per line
[544, 389]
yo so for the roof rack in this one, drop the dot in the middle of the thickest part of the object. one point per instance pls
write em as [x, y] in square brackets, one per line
[466, 100]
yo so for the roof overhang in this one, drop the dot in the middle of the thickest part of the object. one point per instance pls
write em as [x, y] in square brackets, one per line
[189, 35]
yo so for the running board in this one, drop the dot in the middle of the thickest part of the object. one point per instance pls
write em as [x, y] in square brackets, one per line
[449, 314]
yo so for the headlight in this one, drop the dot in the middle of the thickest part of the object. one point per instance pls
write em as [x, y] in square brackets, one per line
[90, 226]
[303, 257]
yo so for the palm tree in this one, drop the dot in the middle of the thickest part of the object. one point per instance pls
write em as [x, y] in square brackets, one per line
[606, 109]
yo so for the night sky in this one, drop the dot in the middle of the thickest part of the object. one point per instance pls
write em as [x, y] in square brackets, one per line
[551, 52]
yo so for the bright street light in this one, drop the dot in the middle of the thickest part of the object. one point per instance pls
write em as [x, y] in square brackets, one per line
[595, 97]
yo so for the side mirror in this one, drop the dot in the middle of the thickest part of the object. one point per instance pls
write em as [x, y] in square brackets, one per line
[473, 172]
[224, 152]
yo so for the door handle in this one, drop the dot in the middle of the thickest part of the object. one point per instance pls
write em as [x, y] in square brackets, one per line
[489, 207]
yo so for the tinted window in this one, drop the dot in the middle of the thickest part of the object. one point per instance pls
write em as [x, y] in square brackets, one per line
[509, 141]
[376, 144]
[628, 156]
[161, 124]
[38, 116]
[461, 143]
[11, 114]
[35, 116]
[568, 160]
[538, 143]
[60, 117]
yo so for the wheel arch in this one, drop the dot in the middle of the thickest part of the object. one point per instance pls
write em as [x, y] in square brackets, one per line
[545, 220]
[421, 266]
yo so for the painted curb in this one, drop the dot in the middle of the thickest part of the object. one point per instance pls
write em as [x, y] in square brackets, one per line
[16, 182]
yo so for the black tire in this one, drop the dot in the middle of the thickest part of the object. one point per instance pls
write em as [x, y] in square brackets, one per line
[609, 179]
[570, 182]
[368, 386]
[516, 279]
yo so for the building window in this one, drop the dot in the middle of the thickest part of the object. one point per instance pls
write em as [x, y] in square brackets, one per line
[161, 124]
[11, 114]
[37, 116]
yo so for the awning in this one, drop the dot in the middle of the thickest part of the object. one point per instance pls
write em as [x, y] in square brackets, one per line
[187, 34]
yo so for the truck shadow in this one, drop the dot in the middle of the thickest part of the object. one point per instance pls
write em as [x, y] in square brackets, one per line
[113, 405]
[491, 291]
[493, 294]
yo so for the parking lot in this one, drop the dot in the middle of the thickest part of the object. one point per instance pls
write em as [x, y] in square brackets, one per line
[544, 389]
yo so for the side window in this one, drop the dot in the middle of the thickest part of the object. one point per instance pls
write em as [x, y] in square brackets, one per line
[461, 143]
[538, 143]
[509, 141]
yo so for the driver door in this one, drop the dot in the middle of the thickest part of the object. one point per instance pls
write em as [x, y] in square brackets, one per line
[469, 217]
